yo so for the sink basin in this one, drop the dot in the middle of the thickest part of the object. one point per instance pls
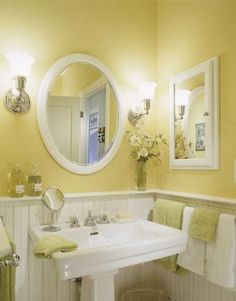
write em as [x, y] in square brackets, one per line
[115, 246]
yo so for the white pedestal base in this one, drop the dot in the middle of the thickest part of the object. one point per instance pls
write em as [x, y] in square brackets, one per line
[99, 287]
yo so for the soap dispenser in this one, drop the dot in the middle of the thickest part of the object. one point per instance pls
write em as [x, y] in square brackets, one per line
[34, 181]
[16, 182]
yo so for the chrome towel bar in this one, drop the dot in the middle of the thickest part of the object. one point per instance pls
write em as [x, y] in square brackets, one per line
[11, 260]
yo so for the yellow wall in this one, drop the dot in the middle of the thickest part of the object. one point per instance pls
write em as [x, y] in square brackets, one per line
[74, 79]
[122, 34]
[189, 32]
[137, 40]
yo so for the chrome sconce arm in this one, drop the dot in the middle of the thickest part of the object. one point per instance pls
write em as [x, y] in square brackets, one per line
[180, 112]
[135, 116]
[16, 99]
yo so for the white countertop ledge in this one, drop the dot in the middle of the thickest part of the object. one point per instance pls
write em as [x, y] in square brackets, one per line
[154, 193]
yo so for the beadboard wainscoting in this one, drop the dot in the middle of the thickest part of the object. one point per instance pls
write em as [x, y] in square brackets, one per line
[188, 287]
[36, 279]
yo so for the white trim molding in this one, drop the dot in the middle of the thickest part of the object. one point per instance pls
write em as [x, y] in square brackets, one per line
[126, 195]
[210, 70]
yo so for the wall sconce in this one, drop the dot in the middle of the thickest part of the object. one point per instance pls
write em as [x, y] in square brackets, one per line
[146, 90]
[16, 99]
[181, 100]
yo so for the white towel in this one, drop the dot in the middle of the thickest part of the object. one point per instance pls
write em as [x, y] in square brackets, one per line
[221, 254]
[5, 248]
[193, 258]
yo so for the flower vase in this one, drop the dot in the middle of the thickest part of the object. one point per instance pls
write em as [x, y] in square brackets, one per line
[141, 175]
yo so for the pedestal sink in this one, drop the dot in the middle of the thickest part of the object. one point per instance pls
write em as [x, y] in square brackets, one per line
[99, 256]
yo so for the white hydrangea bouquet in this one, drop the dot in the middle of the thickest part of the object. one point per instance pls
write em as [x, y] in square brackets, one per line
[144, 147]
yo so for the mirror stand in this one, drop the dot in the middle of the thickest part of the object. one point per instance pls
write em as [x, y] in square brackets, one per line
[51, 227]
[53, 199]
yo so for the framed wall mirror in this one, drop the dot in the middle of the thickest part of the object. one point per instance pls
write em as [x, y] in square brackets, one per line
[194, 117]
[81, 113]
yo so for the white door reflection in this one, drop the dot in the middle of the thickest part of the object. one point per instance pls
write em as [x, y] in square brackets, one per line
[64, 116]
[95, 110]
[68, 118]
[82, 114]
[91, 137]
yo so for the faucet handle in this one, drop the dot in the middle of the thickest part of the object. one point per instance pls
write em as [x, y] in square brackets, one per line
[73, 220]
[105, 219]
[90, 214]
[90, 220]
[102, 218]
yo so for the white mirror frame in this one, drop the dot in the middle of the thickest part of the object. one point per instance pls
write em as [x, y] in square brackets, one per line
[210, 68]
[45, 87]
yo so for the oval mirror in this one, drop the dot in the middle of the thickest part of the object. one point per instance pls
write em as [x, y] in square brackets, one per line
[53, 199]
[80, 113]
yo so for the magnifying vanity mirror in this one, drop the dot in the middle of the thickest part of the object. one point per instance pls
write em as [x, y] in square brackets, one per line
[194, 121]
[80, 113]
[53, 199]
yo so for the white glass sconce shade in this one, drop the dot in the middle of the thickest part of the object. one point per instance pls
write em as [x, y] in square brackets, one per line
[146, 91]
[20, 63]
[181, 101]
[181, 97]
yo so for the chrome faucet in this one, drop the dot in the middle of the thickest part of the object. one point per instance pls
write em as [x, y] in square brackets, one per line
[90, 220]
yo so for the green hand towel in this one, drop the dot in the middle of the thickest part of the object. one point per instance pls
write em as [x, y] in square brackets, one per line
[8, 278]
[203, 223]
[168, 213]
[45, 247]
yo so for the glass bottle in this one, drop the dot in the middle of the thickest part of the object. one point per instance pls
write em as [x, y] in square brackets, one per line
[34, 182]
[16, 182]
